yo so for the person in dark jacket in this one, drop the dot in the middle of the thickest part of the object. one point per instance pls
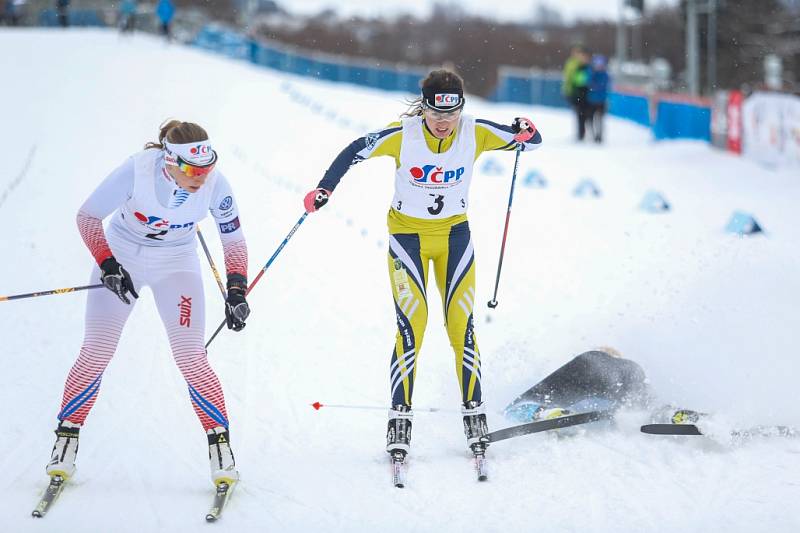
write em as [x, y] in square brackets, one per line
[62, 8]
[597, 96]
[580, 93]
[595, 380]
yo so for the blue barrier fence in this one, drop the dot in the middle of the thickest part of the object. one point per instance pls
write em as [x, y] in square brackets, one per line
[635, 107]
[670, 120]
[75, 17]
[677, 120]
[541, 89]
[286, 59]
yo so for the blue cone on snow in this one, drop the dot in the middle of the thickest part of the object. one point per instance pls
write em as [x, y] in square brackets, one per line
[534, 179]
[743, 224]
[587, 188]
[654, 202]
[491, 166]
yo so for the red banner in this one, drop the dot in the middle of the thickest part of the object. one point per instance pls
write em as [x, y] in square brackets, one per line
[735, 99]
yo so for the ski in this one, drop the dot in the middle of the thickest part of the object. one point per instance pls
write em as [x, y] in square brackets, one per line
[546, 425]
[399, 468]
[739, 434]
[671, 429]
[224, 490]
[50, 495]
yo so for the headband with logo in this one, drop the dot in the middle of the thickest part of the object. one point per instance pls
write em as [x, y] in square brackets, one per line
[443, 99]
[199, 154]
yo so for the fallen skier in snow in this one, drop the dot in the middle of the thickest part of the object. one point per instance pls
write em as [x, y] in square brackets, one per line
[601, 381]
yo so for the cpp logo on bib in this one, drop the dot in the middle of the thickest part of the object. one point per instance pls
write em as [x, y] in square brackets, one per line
[434, 174]
[446, 100]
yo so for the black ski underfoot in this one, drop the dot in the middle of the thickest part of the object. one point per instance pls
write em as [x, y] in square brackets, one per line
[692, 429]
[546, 425]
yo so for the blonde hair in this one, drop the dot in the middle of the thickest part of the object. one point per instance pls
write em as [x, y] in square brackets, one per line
[609, 350]
[178, 132]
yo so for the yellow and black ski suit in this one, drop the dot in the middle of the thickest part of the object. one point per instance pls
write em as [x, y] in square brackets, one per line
[416, 241]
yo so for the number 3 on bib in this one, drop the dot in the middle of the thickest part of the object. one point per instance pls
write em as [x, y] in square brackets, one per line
[438, 204]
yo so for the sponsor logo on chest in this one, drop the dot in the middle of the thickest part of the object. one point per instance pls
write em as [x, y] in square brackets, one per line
[436, 175]
[154, 223]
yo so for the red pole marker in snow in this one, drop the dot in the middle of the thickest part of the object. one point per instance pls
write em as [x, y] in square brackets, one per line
[318, 405]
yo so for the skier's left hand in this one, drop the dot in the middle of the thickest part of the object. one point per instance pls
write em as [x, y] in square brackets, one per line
[524, 129]
[236, 308]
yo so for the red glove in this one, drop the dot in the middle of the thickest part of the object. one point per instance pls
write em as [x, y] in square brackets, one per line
[524, 129]
[316, 199]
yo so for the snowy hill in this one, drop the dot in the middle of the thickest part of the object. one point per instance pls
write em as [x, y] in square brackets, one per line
[711, 316]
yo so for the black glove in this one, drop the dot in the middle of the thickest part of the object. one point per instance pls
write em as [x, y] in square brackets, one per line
[236, 308]
[116, 279]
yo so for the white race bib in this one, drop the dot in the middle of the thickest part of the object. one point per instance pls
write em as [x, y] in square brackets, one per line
[430, 185]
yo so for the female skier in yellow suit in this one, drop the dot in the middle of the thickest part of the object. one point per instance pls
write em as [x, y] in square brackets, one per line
[434, 147]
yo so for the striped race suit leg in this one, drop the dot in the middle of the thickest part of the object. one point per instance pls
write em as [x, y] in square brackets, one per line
[408, 272]
[173, 274]
[455, 279]
[450, 249]
[181, 304]
[105, 317]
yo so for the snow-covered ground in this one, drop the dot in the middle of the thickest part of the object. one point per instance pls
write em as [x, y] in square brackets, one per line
[711, 316]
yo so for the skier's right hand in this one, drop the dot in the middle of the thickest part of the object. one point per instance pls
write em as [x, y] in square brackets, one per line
[316, 199]
[116, 279]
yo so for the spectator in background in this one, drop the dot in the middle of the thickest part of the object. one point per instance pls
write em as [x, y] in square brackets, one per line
[165, 11]
[576, 58]
[579, 83]
[11, 12]
[62, 8]
[599, 83]
[127, 16]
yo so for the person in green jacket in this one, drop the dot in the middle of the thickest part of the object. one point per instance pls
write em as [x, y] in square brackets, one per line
[577, 58]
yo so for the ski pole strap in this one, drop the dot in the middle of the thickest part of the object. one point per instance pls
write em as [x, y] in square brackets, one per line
[47, 293]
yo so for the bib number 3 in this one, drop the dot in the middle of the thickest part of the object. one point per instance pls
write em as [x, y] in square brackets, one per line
[438, 204]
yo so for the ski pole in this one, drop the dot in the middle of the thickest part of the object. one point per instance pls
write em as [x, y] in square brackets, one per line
[213, 266]
[493, 302]
[47, 293]
[266, 266]
[317, 406]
